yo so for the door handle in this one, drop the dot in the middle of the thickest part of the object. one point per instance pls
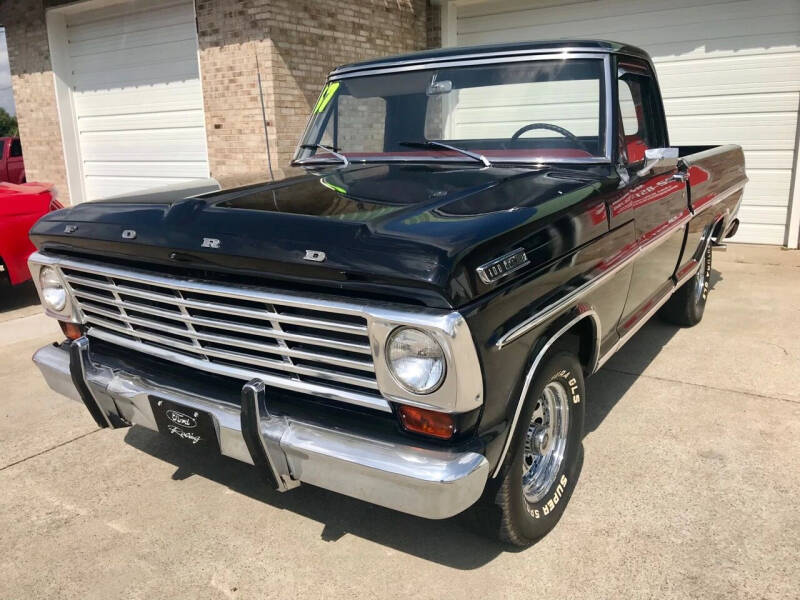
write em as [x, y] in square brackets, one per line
[680, 176]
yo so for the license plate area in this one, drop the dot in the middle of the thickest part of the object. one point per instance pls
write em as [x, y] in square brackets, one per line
[189, 425]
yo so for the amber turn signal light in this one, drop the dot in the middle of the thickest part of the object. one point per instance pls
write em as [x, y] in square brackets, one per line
[427, 422]
[72, 330]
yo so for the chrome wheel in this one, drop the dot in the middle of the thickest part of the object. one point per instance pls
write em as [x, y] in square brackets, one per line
[700, 281]
[545, 441]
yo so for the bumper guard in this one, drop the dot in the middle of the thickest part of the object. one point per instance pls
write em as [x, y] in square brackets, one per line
[429, 483]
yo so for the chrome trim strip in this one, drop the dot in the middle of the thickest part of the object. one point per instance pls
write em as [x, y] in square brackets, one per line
[226, 325]
[221, 308]
[479, 59]
[245, 374]
[532, 371]
[245, 359]
[645, 318]
[220, 339]
[661, 301]
[527, 56]
[427, 482]
[435, 62]
[552, 310]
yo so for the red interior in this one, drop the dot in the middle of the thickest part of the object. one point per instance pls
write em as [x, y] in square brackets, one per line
[635, 147]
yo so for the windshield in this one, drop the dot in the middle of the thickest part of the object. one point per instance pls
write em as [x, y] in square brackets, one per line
[537, 111]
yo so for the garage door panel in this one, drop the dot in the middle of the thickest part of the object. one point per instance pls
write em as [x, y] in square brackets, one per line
[778, 43]
[176, 144]
[769, 159]
[762, 190]
[175, 96]
[738, 104]
[768, 186]
[767, 131]
[105, 24]
[139, 77]
[139, 39]
[104, 187]
[761, 30]
[137, 96]
[765, 215]
[729, 73]
[757, 233]
[756, 76]
[126, 58]
[142, 122]
[502, 16]
[154, 168]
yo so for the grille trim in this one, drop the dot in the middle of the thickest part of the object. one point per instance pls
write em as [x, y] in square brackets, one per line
[235, 331]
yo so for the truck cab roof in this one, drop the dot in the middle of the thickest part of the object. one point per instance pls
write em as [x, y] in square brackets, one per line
[494, 50]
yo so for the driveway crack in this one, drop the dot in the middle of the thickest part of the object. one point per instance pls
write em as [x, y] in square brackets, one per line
[46, 450]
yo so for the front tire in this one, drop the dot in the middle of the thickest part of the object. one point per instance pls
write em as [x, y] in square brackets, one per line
[545, 456]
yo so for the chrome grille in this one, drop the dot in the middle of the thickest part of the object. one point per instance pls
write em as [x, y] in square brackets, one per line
[315, 346]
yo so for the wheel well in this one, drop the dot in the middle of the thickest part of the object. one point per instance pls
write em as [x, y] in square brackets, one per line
[580, 339]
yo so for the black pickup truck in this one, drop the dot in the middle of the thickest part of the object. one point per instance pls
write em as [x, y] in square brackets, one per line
[411, 320]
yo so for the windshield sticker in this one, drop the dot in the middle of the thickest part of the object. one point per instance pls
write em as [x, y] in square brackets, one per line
[335, 188]
[325, 97]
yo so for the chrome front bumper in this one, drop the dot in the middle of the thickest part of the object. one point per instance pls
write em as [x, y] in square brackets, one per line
[430, 483]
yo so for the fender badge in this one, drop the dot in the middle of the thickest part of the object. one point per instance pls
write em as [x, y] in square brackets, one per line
[128, 234]
[505, 265]
[315, 255]
[70, 229]
[210, 243]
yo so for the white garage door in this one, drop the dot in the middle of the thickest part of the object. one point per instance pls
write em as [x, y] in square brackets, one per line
[729, 72]
[136, 96]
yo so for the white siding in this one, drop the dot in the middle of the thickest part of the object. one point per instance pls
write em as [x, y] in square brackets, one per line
[137, 100]
[729, 72]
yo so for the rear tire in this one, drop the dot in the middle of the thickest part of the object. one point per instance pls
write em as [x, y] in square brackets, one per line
[688, 303]
[544, 459]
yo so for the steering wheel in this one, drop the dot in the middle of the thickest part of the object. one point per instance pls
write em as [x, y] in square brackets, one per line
[567, 134]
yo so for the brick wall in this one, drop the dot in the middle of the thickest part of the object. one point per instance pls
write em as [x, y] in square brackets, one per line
[433, 26]
[297, 42]
[34, 92]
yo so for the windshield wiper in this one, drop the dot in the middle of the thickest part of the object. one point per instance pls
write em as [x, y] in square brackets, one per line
[441, 146]
[328, 149]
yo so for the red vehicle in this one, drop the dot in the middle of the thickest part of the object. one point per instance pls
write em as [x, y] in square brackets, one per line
[12, 167]
[20, 207]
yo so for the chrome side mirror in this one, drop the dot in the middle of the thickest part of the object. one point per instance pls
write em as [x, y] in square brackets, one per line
[654, 157]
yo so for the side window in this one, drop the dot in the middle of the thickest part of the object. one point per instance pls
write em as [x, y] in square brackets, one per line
[640, 121]
[2, 148]
[16, 148]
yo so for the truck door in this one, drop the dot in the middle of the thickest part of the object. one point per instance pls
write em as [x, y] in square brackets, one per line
[656, 200]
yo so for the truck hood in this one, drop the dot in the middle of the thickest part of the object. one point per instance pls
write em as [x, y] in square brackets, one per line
[417, 232]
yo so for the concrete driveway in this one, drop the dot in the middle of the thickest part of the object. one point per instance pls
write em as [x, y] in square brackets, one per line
[690, 484]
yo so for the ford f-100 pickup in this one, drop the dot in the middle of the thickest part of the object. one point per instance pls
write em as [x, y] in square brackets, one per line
[409, 321]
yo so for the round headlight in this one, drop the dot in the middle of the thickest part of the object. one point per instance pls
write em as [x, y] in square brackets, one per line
[54, 295]
[415, 359]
